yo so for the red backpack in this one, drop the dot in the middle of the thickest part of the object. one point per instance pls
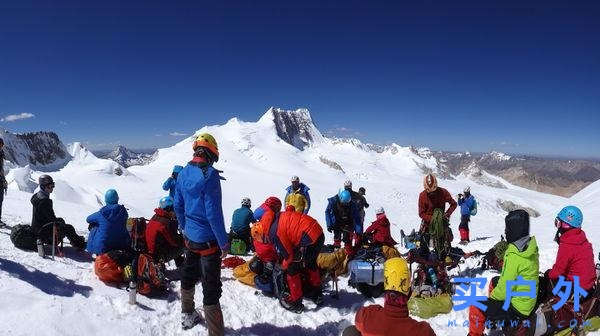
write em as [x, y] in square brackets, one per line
[151, 278]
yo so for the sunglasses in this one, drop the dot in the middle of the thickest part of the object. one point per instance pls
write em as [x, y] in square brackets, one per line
[559, 223]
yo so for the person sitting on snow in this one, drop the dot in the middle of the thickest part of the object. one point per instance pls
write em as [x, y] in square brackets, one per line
[379, 230]
[171, 182]
[393, 318]
[240, 223]
[467, 205]
[298, 239]
[107, 226]
[164, 242]
[521, 259]
[297, 196]
[43, 218]
[575, 255]
[343, 220]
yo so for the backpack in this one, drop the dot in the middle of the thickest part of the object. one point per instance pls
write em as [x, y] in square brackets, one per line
[238, 247]
[137, 230]
[474, 208]
[151, 280]
[108, 270]
[23, 237]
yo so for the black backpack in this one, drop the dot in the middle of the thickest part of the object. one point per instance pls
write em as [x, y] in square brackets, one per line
[23, 237]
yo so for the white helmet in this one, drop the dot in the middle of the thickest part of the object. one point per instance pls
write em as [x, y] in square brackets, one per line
[246, 202]
[467, 190]
[379, 211]
[348, 184]
[295, 179]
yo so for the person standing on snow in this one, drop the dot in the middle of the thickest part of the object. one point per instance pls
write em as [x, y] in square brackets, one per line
[362, 205]
[107, 226]
[392, 319]
[467, 205]
[43, 218]
[297, 196]
[240, 223]
[358, 198]
[199, 212]
[170, 183]
[430, 199]
[343, 220]
[3, 183]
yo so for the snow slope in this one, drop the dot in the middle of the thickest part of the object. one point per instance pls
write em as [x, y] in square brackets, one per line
[67, 299]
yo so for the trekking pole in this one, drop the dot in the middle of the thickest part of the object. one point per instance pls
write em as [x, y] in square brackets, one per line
[53, 239]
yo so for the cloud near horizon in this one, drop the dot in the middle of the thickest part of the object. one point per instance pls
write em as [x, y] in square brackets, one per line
[15, 117]
[177, 134]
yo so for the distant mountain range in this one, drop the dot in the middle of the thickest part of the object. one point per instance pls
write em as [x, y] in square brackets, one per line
[126, 157]
[44, 151]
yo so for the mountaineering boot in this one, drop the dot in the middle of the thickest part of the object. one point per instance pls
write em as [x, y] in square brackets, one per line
[190, 320]
[315, 294]
[214, 320]
[189, 315]
[293, 306]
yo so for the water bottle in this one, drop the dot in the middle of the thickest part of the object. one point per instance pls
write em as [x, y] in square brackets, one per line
[132, 292]
[40, 248]
[433, 277]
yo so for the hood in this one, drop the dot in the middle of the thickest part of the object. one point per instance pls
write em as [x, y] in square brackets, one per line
[573, 237]
[114, 212]
[530, 252]
[303, 188]
[37, 197]
[162, 213]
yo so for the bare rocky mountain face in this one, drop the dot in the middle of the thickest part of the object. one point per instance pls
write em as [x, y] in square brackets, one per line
[40, 150]
[561, 177]
[127, 158]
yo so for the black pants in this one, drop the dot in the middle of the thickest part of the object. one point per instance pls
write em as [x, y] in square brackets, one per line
[1, 201]
[464, 222]
[63, 230]
[342, 234]
[207, 269]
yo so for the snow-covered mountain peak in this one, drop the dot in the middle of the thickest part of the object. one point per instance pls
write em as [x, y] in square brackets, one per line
[295, 127]
[498, 156]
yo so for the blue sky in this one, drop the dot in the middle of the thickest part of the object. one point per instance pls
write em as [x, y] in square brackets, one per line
[456, 75]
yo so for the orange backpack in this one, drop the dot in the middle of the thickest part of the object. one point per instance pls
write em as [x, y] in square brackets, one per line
[108, 270]
[151, 278]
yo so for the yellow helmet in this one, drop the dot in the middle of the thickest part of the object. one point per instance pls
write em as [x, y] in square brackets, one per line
[396, 276]
[207, 141]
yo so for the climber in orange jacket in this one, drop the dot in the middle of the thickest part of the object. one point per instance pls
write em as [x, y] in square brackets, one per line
[298, 239]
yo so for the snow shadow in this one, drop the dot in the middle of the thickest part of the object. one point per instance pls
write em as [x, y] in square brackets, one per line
[346, 303]
[77, 255]
[46, 282]
[264, 329]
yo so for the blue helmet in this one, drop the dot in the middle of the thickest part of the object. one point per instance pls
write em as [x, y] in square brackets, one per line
[111, 197]
[166, 202]
[344, 196]
[571, 215]
[177, 169]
